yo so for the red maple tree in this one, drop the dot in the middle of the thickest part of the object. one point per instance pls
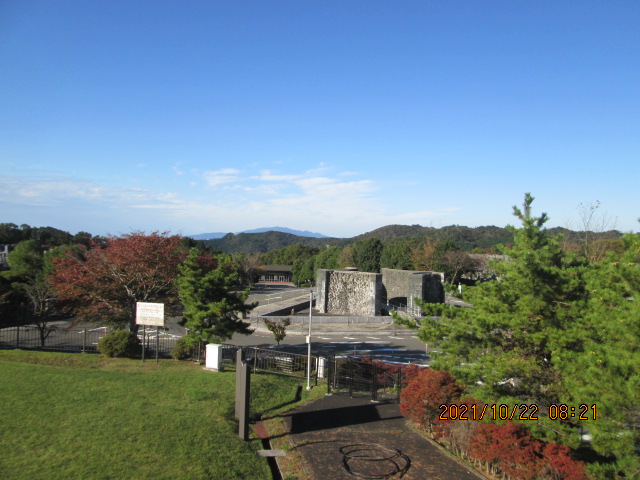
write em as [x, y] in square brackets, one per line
[103, 284]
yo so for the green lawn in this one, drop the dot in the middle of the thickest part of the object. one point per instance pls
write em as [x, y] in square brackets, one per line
[80, 416]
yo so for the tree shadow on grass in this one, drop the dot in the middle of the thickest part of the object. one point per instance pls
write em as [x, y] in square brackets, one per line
[298, 395]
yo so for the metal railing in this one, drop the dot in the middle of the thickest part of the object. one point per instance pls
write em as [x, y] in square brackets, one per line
[272, 361]
[413, 310]
[361, 376]
[29, 337]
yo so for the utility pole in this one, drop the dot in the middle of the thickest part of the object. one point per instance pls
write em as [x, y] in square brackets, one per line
[309, 342]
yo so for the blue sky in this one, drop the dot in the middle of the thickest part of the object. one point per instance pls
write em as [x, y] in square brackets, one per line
[336, 117]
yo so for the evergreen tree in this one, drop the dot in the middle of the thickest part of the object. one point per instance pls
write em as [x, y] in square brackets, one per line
[605, 371]
[366, 255]
[26, 259]
[553, 330]
[211, 305]
[328, 258]
[396, 255]
[304, 271]
[505, 347]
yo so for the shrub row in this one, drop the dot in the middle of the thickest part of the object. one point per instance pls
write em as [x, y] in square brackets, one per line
[506, 450]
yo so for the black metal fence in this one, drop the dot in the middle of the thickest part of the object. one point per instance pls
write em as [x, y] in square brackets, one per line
[273, 361]
[364, 377]
[30, 337]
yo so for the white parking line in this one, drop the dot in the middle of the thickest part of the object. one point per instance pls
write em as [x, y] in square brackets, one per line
[374, 338]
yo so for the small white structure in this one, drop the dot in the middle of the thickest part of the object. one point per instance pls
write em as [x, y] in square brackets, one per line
[213, 360]
[322, 365]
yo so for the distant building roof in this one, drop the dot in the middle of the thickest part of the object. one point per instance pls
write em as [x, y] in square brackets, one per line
[276, 268]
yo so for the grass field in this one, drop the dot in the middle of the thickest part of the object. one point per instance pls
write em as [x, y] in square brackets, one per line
[72, 416]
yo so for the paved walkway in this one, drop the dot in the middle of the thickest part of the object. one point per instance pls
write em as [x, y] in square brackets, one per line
[341, 438]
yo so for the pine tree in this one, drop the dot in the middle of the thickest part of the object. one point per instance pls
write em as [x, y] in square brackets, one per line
[211, 305]
[504, 348]
[516, 323]
[554, 329]
[605, 371]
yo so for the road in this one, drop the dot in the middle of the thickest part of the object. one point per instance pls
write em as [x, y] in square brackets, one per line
[400, 349]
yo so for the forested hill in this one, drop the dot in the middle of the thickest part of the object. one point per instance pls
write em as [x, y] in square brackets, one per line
[264, 242]
[463, 237]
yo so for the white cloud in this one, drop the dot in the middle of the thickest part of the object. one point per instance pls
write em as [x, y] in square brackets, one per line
[220, 177]
[268, 176]
[47, 191]
[321, 200]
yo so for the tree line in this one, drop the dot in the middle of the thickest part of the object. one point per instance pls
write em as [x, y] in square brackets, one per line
[102, 282]
[371, 255]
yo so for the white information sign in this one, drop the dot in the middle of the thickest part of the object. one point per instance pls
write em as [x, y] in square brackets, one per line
[150, 314]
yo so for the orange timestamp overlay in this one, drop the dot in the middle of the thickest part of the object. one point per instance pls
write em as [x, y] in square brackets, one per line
[517, 412]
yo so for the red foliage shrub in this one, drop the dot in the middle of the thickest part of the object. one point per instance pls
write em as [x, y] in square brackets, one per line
[511, 448]
[428, 389]
[457, 432]
[410, 372]
[561, 465]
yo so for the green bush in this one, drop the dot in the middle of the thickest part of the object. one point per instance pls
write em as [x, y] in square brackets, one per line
[183, 350]
[121, 343]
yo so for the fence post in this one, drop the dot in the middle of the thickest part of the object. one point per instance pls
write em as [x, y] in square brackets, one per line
[330, 368]
[350, 377]
[18, 336]
[374, 382]
[243, 394]
[255, 359]
[84, 340]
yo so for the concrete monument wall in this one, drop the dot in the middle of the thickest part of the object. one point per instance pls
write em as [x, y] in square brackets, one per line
[348, 292]
[409, 284]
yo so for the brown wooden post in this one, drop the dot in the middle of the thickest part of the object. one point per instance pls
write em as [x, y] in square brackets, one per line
[243, 395]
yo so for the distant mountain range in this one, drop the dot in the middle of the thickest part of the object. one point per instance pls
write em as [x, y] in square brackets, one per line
[299, 233]
[466, 238]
